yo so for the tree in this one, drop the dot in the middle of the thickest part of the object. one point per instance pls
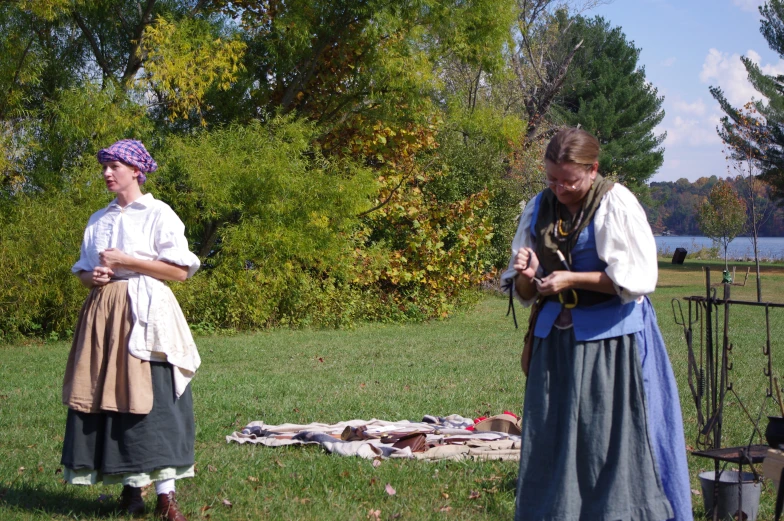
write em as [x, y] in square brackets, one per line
[763, 142]
[748, 128]
[722, 216]
[606, 93]
[541, 58]
[299, 141]
[159, 56]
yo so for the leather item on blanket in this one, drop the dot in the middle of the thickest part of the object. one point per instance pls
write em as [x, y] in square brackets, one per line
[356, 433]
[416, 441]
[501, 423]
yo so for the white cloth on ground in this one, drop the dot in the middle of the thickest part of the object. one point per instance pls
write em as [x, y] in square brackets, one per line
[447, 441]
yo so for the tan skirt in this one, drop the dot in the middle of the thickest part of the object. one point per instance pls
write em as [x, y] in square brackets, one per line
[101, 375]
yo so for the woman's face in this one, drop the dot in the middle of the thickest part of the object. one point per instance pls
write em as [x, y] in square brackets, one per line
[118, 176]
[570, 182]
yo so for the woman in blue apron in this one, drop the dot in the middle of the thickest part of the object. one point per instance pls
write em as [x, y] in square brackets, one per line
[602, 430]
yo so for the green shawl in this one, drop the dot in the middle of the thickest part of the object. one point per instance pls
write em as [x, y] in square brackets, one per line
[556, 229]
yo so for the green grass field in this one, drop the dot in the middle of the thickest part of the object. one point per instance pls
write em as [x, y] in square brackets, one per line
[467, 365]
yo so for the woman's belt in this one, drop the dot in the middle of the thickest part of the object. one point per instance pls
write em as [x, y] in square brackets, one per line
[581, 297]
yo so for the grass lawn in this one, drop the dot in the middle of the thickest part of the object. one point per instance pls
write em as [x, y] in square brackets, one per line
[467, 365]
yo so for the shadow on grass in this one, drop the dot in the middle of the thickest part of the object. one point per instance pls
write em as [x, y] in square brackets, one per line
[60, 500]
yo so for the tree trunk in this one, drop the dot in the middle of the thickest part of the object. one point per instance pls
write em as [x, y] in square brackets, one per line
[752, 197]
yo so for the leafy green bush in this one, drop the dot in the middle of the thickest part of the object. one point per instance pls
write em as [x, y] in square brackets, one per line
[273, 220]
[40, 236]
[52, 186]
[287, 236]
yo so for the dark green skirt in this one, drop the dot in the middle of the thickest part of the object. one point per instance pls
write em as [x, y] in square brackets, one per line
[585, 449]
[114, 443]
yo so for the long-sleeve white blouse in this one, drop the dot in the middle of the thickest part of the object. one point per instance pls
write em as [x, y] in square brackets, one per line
[147, 229]
[624, 241]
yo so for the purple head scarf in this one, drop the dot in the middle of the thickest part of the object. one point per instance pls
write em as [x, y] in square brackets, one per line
[130, 152]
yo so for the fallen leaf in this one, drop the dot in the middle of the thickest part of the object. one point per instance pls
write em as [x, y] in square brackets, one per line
[372, 481]
[345, 474]
[444, 495]
[278, 462]
[445, 509]
[21, 469]
[31, 446]
[205, 508]
[391, 491]
[376, 463]
[474, 495]
[689, 448]
[296, 409]
[696, 492]
[362, 385]
[58, 471]
[320, 359]
[253, 479]
[210, 468]
[375, 515]
[227, 503]
[40, 468]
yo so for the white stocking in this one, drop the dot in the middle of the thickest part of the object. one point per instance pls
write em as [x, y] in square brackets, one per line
[165, 486]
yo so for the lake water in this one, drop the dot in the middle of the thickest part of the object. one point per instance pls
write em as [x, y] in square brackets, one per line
[741, 248]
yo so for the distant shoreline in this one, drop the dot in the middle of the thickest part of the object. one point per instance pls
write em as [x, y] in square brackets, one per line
[741, 248]
[703, 237]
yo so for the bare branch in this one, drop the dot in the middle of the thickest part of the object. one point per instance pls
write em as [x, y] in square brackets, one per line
[134, 60]
[103, 63]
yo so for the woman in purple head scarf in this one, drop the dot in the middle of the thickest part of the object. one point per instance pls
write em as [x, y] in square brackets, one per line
[127, 382]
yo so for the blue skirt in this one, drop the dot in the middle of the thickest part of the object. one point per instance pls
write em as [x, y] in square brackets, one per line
[586, 451]
[665, 421]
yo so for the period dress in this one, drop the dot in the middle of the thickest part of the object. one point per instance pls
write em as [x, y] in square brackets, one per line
[130, 408]
[592, 449]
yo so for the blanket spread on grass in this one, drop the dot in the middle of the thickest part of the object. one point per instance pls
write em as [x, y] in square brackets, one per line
[447, 438]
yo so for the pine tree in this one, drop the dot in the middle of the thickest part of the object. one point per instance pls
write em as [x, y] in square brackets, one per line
[606, 93]
[760, 139]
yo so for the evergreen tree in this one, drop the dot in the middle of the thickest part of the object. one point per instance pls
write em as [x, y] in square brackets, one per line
[760, 138]
[606, 93]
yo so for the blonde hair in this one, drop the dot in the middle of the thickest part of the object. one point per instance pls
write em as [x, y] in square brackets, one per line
[573, 145]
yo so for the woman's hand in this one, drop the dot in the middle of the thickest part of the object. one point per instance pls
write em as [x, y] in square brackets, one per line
[100, 276]
[556, 282]
[114, 258]
[526, 263]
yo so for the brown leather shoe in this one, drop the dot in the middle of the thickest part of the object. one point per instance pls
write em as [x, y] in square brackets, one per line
[131, 500]
[168, 509]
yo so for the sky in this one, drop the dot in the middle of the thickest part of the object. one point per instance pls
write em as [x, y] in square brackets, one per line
[686, 47]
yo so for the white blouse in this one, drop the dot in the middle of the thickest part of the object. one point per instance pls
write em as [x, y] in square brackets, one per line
[624, 241]
[147, 229]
